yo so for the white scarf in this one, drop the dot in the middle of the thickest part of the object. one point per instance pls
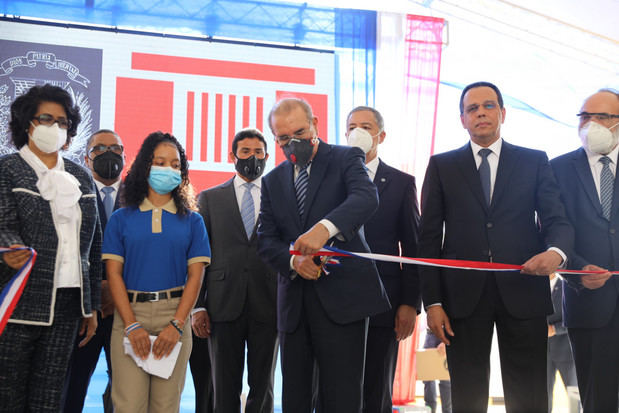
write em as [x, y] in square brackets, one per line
[60, 188]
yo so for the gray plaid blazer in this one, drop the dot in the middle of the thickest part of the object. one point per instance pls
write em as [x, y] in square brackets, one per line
[26, 218]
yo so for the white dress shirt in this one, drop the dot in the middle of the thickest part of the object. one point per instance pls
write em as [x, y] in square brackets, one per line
[371, 168]
[493, 159]
[239, 190]
[596, 165]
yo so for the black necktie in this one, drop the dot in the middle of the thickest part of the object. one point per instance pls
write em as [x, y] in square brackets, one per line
[484, 173]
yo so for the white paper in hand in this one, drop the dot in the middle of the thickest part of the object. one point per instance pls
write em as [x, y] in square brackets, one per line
[162, 367]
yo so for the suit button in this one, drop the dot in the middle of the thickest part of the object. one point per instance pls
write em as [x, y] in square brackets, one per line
[612, 230]
[489, 225]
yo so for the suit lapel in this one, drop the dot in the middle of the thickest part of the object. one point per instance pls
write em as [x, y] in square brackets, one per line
[101, 209]
[507, 163]
[286, 178]
[229, 202]
[381, 179]
[583, 171]
[317, 173]
[468, 170]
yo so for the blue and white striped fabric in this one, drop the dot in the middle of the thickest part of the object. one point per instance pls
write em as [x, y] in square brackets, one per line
[12, 292]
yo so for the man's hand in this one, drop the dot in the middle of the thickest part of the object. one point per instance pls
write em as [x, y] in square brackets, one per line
[438, 322]
[544, 263]
[107, 303]
[304, 265]
[594, 281]
[88, 326]
[313, 240]
[16, 259]
[201, 324]
[551, 330]
[405, 318]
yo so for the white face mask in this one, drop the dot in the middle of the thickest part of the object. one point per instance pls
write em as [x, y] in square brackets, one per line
[49, 139]
[361, 138]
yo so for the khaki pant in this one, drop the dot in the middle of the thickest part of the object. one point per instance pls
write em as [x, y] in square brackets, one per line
[134, 390]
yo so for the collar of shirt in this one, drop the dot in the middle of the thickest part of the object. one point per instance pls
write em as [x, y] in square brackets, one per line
[371, 168]
[169, 206]
[594, 159]
[495, 148]
[115, 185]
[298, 168]
[239, 182]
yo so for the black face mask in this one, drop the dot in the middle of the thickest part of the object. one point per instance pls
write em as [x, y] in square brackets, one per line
[299, 151]
[251, 168]
[108, 165]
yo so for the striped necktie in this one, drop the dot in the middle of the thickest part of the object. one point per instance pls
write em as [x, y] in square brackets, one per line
[300, 187]
[606, 187]
[248, 213]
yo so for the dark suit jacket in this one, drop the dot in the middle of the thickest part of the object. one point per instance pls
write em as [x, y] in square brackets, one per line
[525, 217]
[392, 226]
[26, 218]
[596, 241]
[236, 274]
[340, 191]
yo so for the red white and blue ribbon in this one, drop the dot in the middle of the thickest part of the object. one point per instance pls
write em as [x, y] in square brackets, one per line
[9, 297]
[434, 262]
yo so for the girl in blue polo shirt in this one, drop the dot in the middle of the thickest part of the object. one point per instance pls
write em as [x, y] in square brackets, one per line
[155, 250]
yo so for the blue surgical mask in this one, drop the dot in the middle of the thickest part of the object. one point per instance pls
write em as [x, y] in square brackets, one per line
[164, 179]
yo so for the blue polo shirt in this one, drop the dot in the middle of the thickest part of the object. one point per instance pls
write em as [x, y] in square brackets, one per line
[155, 245]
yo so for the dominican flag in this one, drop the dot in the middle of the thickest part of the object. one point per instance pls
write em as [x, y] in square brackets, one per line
[12, 291]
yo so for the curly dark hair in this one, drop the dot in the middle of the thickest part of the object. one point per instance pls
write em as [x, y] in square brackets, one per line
[135, 187]
[26, 106]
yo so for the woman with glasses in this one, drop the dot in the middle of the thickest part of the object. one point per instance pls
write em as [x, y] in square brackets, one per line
[48, 203]
[155, 250]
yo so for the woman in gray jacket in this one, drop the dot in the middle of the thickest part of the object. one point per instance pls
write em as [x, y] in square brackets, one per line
[47, 203]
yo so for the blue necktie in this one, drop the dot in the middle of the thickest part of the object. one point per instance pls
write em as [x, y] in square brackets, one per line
[300, 187]
[484, 173]
[108, 200]
[248, 213]
[606, 187]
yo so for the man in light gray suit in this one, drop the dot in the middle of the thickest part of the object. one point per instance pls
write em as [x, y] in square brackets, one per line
[239, 292]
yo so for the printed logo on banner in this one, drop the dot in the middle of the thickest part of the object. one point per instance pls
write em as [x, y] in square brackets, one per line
[75, 69]
[194, 98]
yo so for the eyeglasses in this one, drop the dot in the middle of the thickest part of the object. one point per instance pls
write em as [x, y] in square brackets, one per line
[487, 105]
[601, 117]
[285, 139]
[100, 149]
[48, 120]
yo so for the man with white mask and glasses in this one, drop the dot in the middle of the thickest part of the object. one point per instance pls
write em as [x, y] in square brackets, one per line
[391, 229]
[587, 180]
